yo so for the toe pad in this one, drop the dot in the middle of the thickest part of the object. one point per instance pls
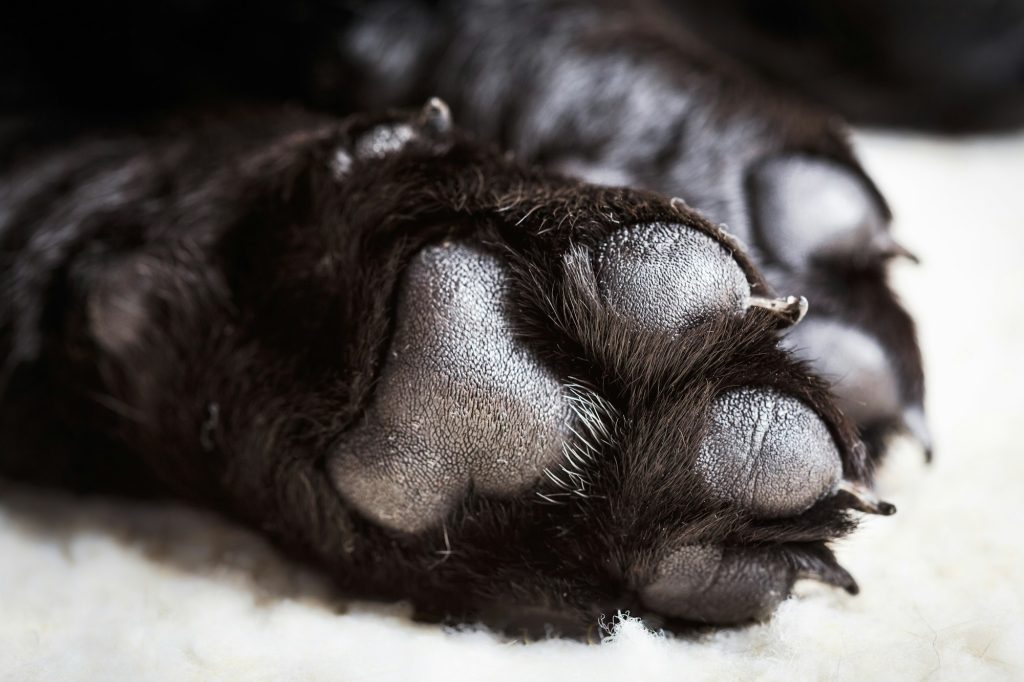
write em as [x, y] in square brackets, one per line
[712, 585]
[767, 452]
[667, 277]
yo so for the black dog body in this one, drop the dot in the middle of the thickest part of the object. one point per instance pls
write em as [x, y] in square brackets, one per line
[231, 306]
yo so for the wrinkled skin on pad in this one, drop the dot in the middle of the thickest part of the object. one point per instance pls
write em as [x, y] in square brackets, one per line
[768, 453]
[378, 351]
[663, 278]
[462, 403]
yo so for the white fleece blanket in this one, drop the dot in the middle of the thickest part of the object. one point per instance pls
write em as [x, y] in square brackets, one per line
[105, 591]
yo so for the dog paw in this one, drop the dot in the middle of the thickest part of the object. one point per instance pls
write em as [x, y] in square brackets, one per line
[485, 388]
[585, 404]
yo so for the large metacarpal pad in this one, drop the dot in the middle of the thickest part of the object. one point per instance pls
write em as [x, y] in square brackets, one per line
[460, 402]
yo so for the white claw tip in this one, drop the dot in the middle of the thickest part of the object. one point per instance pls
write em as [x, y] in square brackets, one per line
[802, 307]
[790, 310]
[437, 116]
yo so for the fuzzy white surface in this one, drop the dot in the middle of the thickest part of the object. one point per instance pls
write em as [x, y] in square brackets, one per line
[98, 590]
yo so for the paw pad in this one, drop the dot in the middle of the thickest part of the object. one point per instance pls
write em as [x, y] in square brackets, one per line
[813, 209]
[707, 584]
[669, 277]
[768, 453]
[460, 401]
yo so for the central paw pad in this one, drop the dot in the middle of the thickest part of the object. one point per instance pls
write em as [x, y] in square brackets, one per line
[460, 402]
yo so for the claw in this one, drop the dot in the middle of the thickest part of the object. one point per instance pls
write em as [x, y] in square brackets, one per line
[915, 425]
[887, 247]
[790, 309]
[864, 500]
[436, 116]
[823, 567]
[834, 575]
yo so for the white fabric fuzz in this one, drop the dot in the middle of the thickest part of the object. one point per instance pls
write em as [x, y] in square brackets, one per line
[98, 590]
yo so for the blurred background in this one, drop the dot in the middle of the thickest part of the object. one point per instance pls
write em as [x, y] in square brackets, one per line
[947, 65]
[943, 65]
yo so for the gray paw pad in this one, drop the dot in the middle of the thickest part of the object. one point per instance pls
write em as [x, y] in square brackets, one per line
[767, 452]
[855, 363]
[705, 584]
[667, 277]
[460, 402]
[809, 208]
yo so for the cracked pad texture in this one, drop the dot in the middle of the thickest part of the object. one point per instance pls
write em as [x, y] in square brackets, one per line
[666, 277]
[767, 452]
[460, 401]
